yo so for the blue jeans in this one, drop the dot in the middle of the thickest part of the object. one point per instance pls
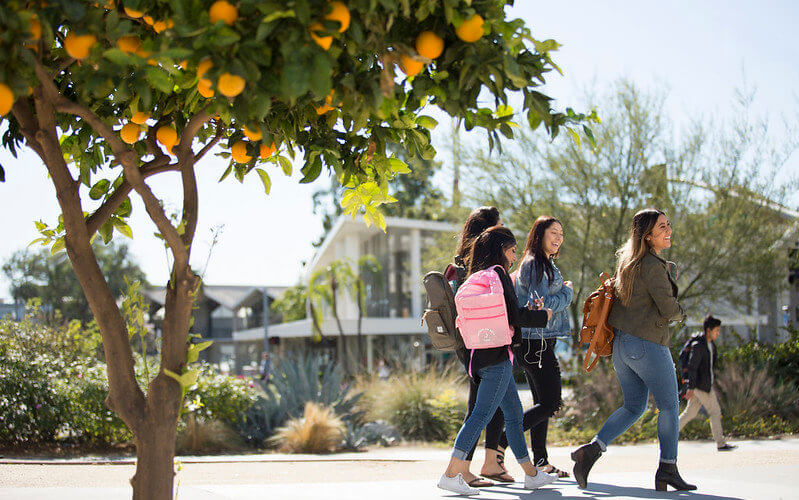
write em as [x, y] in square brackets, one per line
[643, 366]
[497, 390]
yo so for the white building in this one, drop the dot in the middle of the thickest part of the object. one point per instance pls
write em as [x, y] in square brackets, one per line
[391, 327]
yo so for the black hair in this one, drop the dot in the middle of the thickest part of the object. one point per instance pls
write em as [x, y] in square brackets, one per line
[478, 221]
[710, 323]
[489, 249]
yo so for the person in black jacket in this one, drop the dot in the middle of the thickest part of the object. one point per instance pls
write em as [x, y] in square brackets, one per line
[478, 221]
[699, 379]
[496, 247]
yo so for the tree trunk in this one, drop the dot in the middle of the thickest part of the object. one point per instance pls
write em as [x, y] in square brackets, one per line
[155, 469]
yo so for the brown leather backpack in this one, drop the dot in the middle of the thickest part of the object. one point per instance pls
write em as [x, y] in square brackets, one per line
[596, 332]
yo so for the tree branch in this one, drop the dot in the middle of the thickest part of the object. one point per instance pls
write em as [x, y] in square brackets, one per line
[184, 153]
[112, 202]
[27, 124]
[220, 131]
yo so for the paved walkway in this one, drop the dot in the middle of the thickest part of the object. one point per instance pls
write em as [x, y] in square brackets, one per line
[756, 470]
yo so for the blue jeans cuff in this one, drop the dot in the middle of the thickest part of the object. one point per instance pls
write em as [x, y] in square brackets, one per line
[523, 460]
[459, 454]
[668, 460]
[602, 445]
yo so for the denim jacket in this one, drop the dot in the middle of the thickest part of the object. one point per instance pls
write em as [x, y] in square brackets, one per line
[556, 297]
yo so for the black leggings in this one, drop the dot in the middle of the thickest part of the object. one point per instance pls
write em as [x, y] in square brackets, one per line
[545, 386]
[494, 427]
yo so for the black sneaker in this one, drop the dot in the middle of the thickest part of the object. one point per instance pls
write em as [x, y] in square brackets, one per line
[727, 447]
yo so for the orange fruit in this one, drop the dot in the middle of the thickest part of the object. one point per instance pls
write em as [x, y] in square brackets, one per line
[253, 135]
[159, 26]
[221, 10]
[230, 85]
[203, 67]
[341, 14]
[149, 20]
[429, 45]
[130, 133]
[410, 66]
[321, 40]
[135, 14]
[167, 135]
[36, 28]
[140, 117]
[471, 29]
[184, 64]
[6, 99]
[129, 44]
[170, 24]
[204, 88]
[78, 46]
[267, 151]
[239, 152]
[327, 106]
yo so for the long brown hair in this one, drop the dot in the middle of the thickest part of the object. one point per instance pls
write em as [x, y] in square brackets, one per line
[478, 221]
[629, 256]
[535, 248]
[489, 249]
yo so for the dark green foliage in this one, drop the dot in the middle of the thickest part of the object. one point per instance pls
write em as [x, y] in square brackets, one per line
[780, 360]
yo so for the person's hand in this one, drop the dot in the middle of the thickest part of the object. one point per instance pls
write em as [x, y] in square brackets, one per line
[539, 303]
[549, 314]
[569, 284]
[689, 394]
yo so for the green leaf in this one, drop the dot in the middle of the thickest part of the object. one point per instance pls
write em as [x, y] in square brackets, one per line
[40, 226]
[122, 227]
[106, 231]
[285, 164]
[279, 14]
[398, 166]
[99, 189]
[426, 122]
[264, 179]
[58, 246]
[159, 79]
[311, 171]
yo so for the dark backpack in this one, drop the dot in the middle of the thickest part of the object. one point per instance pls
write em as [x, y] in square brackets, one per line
[682, 360]
[440, 313]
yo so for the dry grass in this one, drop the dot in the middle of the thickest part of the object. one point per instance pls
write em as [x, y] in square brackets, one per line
[319, 430]
[200, 436]
[749, 391]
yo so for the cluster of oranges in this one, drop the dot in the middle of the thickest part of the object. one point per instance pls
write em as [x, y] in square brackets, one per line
[430, 45]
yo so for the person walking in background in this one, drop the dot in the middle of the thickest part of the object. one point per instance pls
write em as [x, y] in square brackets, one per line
[493, 465]
[383, 371]
[495, 250]
[645, 302]
[699, 379]
[539, 277]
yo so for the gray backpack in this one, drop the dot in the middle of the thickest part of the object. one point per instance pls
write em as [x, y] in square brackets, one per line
[440, 313]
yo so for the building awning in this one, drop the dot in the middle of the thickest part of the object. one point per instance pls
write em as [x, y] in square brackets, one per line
[303, 328]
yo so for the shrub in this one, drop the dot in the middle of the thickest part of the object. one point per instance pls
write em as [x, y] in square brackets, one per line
[297, 380]
[593, 397]
[201, 436]
[421, 405]
[780, 360]
[319, 430]
[30, 405]
[748, 391]
[220, 397]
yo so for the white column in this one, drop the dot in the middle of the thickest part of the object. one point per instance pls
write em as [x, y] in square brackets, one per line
[352, 252]
[370, 355]
[416, 273]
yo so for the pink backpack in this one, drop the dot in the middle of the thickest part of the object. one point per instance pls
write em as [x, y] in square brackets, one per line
[482, 314]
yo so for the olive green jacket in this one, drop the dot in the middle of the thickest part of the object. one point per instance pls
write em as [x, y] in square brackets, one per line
[653, 304]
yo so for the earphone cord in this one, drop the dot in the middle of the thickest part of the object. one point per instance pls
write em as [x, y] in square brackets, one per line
[540, 352]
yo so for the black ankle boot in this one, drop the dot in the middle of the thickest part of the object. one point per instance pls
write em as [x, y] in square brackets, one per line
[667, 474]
[584, 458]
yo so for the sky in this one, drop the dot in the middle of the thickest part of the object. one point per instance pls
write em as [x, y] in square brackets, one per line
[700, 51]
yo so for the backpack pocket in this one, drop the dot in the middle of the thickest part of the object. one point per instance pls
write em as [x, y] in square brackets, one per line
[439, 333]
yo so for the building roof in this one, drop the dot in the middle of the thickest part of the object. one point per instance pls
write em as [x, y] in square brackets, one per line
[230, 296]
[346, 225]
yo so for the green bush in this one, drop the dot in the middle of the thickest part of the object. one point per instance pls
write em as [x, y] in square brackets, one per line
[220, 397]
[31, 408]
[780, 360]
[422, 406]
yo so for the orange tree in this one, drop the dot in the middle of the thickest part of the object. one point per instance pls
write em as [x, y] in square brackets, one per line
[112, 92]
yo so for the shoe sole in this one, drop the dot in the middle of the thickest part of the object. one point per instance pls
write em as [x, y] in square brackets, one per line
[457, 492]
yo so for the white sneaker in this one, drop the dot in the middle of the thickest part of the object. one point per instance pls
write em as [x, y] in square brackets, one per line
[456, 485]
[539, 480]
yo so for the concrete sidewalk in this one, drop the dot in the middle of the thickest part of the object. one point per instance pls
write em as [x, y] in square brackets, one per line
[756, 470]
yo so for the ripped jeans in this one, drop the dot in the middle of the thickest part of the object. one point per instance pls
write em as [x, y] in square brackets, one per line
[545, 385]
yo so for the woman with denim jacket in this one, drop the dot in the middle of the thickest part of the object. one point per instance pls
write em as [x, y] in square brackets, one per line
[539, 278]
[645, 303]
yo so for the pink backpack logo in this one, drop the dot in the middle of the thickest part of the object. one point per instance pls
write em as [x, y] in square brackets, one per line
[482, 315]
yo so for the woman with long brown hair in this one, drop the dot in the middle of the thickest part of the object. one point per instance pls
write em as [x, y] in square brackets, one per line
[539, 277]
[645, 304]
